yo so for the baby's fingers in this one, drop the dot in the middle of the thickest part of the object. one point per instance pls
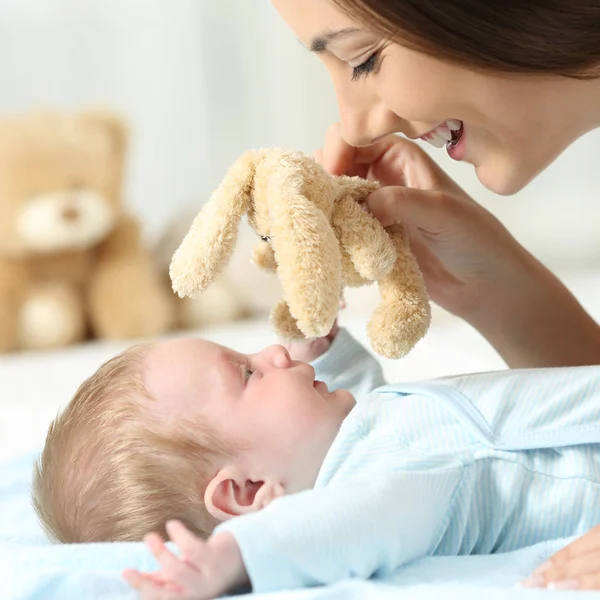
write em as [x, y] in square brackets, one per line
[133, 578]
[192, 548]
[151, 586]
[150, 590]
[184, 571]
[173, 568]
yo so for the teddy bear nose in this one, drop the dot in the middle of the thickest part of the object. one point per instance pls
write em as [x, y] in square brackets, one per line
[70, 214]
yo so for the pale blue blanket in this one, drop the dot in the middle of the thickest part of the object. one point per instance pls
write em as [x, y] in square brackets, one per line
[33, 569]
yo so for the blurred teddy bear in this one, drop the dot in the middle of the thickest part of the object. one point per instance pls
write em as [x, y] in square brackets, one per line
[72, 265]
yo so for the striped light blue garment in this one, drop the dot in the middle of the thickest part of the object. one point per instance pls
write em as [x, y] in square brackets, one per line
[461, 465]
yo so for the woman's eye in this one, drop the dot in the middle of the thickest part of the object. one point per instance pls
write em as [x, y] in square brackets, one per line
[366, 68]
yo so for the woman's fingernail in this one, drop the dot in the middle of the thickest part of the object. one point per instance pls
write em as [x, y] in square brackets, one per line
[567, 584]
[534, 581]
[543, 568]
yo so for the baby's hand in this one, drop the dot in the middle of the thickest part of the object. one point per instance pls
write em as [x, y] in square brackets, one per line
[308, 350]
[203, 570]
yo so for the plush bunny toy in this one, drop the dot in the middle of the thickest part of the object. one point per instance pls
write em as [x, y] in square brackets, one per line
[317, 238]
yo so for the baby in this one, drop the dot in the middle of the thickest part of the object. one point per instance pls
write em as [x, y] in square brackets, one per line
[304, 485]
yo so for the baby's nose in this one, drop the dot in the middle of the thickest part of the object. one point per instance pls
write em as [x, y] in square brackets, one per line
[279, 356]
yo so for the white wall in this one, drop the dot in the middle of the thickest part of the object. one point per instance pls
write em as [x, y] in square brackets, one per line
[202, 80]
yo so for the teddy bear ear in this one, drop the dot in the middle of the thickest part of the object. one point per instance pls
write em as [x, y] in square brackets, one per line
[308, 258]
[109, 124]
[211, 240]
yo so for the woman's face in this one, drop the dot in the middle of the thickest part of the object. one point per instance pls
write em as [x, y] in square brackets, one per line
[509, 128]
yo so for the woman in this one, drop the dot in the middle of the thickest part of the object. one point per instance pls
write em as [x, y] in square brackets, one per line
[505, 86]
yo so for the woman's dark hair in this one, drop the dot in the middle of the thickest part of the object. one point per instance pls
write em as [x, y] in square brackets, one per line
[545, 37]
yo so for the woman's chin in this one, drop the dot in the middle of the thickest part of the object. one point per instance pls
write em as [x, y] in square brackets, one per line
[504, 180]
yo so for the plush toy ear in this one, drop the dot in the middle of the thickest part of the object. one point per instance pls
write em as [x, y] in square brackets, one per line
[114, 132]
[308, 258]
[109, 124]
[207, 247]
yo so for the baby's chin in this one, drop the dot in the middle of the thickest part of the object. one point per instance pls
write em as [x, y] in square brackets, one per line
[345, 400]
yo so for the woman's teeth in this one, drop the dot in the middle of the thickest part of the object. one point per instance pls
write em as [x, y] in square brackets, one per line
[445, 134]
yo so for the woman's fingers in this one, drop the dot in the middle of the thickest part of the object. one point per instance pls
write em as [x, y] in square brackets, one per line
[586, 543]
[426, 210]
[337, 156]
[586, 566]
[576, 566]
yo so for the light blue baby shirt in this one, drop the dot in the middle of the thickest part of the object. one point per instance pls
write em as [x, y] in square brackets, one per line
[460, 465]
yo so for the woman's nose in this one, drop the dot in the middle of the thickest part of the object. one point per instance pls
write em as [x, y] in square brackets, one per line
[354, 125]
[364, 118]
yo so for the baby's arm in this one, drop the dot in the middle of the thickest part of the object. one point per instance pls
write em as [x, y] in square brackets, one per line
[358, 529]
[348, 365]
[321, 536]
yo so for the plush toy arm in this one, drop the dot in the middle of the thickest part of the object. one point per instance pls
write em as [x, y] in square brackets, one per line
[126, 296]
[308, 259]
[211, 240]
[12, 284]
[404, 314]
[264, 257]
[361, 235]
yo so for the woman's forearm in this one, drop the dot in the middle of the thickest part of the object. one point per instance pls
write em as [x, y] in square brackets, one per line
[533, 320]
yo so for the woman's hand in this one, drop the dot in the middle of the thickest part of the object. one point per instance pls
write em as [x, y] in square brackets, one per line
[472, 266]
[463, 251]
[577, 566]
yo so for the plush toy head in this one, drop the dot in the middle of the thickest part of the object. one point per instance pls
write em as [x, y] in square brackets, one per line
[60, 179]
[318, 239]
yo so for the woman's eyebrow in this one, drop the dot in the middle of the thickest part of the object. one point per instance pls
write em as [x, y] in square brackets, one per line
[320, 42]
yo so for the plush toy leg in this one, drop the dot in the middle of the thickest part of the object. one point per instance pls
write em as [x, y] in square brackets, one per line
[9, 324]
[404, 314]
[283, 322]
[368, 245]
[264, 257]
[51, 316]
[127, 299]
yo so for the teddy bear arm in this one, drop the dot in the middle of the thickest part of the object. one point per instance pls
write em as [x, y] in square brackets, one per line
[128, 299]
[369, 246]
[264, 257]
[10, 285]
[127, 296]
[124, 239]
[404, 314]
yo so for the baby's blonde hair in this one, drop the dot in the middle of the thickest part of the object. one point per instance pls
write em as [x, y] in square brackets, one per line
[109, 471]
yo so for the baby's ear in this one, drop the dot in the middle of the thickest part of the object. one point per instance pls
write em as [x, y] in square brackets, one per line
[231, 493]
